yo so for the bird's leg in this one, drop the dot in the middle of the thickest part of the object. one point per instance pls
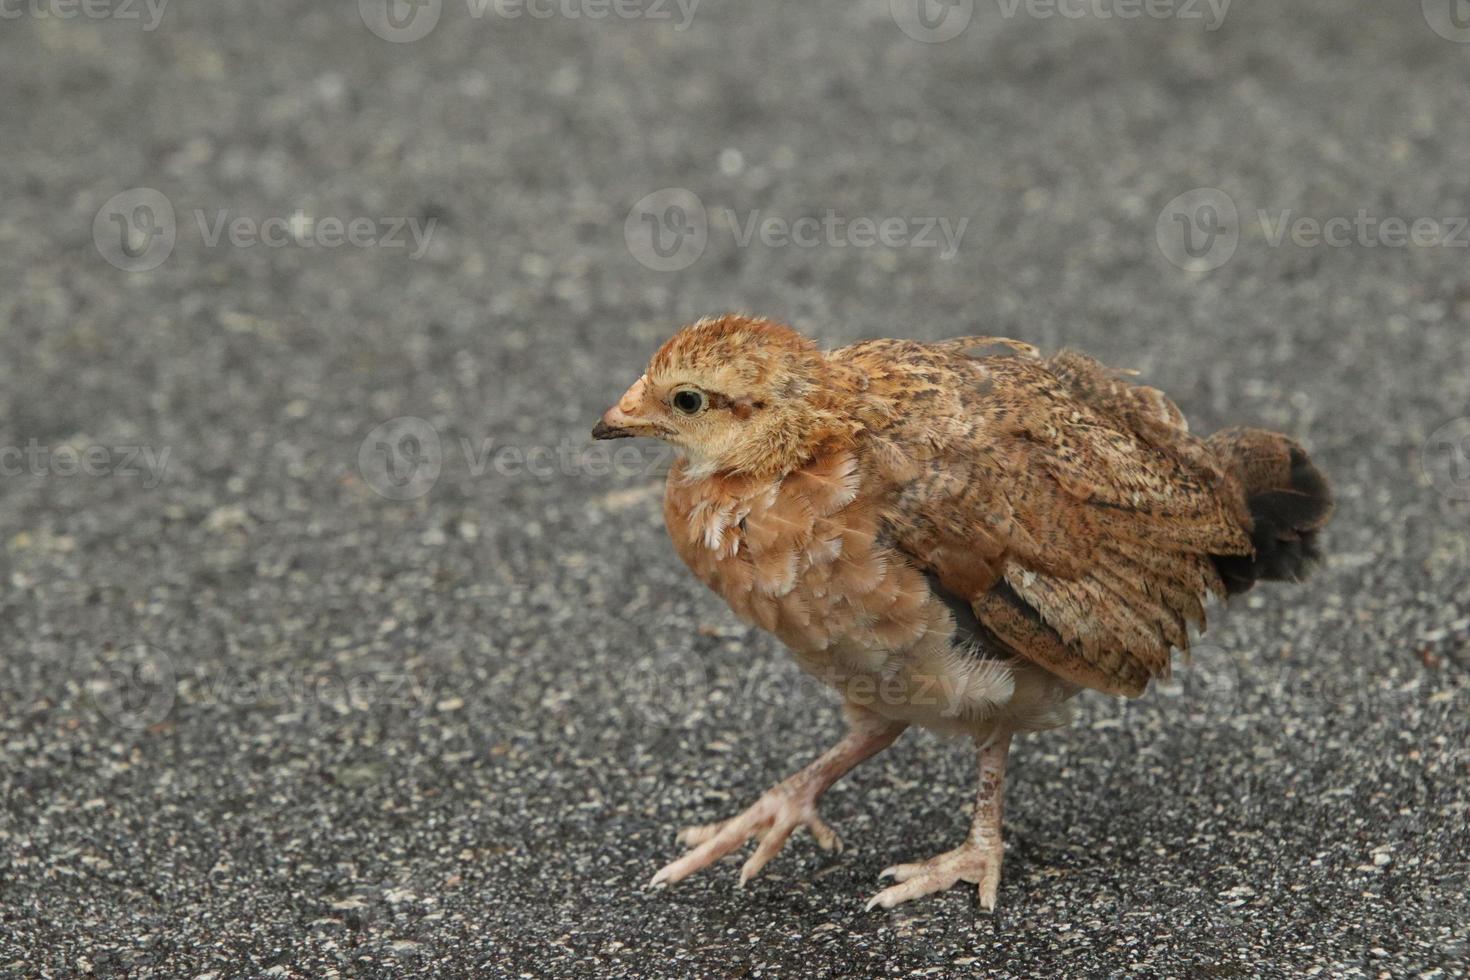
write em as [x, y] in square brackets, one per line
[784, 807]
[978, 859]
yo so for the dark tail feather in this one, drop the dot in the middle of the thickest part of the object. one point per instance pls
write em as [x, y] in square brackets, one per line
[1289, 502]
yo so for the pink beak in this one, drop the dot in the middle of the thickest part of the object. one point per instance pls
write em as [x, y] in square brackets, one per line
[623, 421]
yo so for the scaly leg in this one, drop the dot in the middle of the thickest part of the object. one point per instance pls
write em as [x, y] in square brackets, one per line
[789, 804]
[978, 859]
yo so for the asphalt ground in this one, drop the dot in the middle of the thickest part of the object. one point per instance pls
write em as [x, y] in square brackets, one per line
[328, 647]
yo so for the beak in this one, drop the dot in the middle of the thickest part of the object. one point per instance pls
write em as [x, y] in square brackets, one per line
[622, 421]
[604, 431]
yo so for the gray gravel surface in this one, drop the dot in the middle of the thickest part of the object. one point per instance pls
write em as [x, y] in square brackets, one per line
[258, 718]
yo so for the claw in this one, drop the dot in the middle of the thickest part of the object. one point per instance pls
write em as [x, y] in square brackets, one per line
[973, 862]
[781, 810]
[824, 835]
[770, 843]
[770, 821]
[901, 872]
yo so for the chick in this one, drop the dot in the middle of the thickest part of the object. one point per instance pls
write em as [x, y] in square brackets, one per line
[960, 536]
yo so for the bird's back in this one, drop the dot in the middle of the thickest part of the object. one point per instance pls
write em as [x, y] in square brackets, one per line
[1070, 508]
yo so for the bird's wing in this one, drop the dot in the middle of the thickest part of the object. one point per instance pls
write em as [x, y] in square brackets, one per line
[1071, 509]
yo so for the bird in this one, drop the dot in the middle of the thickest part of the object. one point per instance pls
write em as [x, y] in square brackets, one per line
[960, 536]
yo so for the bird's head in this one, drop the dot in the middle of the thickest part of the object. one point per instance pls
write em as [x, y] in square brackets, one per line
[735, 394]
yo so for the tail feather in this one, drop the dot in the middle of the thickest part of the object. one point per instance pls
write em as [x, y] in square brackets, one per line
[1289, 501]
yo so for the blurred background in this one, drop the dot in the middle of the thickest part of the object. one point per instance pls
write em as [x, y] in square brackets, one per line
[331, 646]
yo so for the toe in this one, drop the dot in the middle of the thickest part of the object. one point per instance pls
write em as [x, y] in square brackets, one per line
[936, 874]
[988, 888]
[770, 845]
[900, 893]
[730, 836]
[660, 878]
[901, 872]
[699, 833]
[824, 835]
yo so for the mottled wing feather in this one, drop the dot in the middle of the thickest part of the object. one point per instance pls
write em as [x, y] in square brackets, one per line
[1072, 508]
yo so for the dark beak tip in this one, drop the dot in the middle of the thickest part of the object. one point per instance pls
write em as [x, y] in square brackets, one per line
[604, 431]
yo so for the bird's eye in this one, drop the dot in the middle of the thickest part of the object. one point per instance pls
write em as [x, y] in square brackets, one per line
[689, 401]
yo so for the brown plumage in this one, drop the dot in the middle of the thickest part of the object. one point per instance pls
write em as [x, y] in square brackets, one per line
[957, 535]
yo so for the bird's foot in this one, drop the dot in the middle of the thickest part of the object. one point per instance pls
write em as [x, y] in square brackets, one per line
[771, 820]
[975, 861]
